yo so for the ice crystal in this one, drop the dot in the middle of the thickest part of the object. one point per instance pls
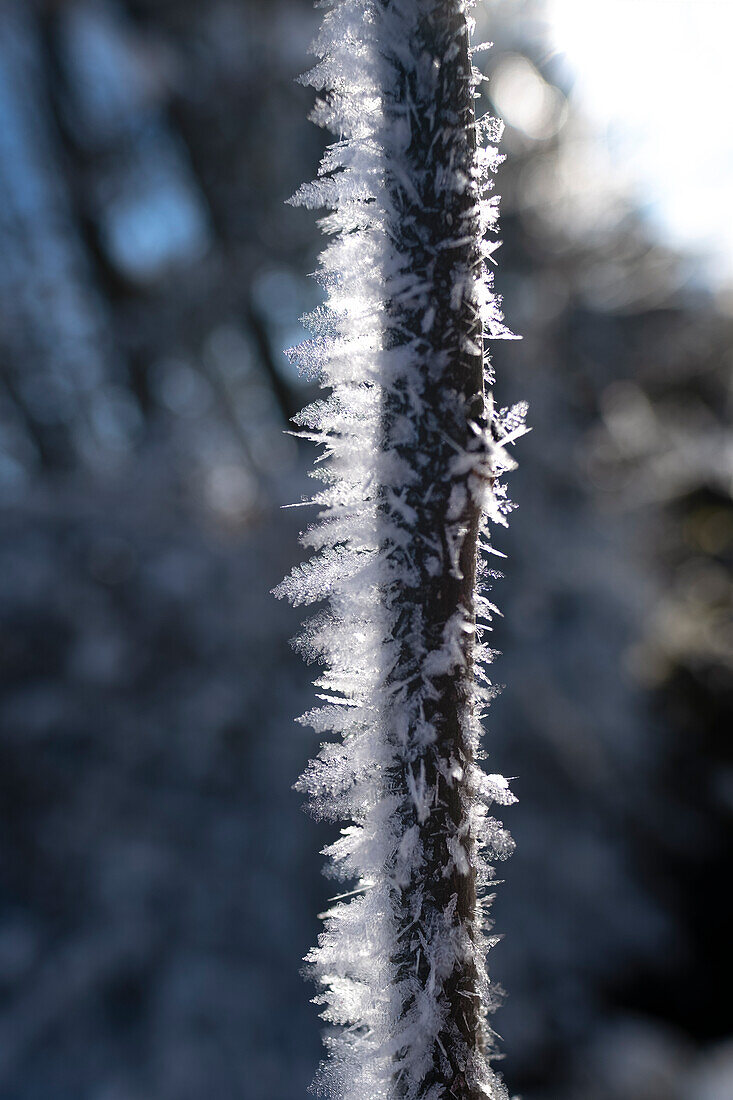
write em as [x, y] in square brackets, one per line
[411, 469]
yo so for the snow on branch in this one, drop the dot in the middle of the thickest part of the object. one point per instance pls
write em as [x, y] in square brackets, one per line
[413, 456]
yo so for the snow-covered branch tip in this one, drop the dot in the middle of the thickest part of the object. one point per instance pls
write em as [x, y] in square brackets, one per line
[414, 455]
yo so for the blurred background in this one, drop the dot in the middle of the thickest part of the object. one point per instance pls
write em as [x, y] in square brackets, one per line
[158, 882]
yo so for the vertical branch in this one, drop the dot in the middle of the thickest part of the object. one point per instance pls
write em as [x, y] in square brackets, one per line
[433, 419]
[414, 449]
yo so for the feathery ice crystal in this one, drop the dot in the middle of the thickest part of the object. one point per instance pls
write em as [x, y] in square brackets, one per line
[413, 451]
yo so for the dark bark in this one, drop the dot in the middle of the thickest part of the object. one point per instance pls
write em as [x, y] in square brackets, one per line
[427, 221]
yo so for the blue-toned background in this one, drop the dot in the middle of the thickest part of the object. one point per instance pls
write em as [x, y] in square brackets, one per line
[158, 882]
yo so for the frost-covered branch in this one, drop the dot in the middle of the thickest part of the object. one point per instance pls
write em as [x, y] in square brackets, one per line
[414, 452]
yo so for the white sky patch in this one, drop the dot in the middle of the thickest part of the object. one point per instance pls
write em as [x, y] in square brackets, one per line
[656, 77]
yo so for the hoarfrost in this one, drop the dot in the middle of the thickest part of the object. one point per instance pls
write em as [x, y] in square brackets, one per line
[398, 516]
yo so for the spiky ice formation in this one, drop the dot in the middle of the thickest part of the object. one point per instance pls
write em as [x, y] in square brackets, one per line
[413, 452]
